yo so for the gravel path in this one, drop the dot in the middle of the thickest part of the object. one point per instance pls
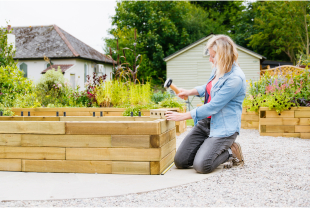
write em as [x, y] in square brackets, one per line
[276, 173]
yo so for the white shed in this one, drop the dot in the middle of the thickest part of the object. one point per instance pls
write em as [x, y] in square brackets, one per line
[189, 67]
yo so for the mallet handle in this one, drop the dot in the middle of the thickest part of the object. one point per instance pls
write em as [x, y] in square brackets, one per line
[176, 90]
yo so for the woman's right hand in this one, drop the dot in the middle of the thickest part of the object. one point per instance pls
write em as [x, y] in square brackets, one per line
[183, 93]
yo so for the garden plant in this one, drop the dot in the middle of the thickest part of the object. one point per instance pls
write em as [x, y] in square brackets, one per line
[279, 92]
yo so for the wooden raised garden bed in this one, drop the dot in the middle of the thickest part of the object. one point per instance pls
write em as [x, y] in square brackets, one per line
[115, 145]
[291, 123]
[180, 126]
[249, 119]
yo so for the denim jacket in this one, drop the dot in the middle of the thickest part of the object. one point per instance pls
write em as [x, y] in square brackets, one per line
[225, 106]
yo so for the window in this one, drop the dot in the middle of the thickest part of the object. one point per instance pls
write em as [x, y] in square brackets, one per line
[23, 67]
[85, 72]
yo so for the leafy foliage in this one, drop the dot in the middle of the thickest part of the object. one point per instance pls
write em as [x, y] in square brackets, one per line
[164, 27]
[119, 93]
[13, 85]
[171, 103]
[6, 111]
[279, 92]
[160, 96]
[282, 27]
[91, 85]
[7, 52]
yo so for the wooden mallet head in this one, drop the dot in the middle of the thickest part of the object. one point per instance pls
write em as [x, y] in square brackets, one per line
[168, 83]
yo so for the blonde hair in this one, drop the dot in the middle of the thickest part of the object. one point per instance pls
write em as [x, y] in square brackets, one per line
[225, 53]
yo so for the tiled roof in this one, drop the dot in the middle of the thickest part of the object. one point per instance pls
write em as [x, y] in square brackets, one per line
[53, 42]
[63, 67]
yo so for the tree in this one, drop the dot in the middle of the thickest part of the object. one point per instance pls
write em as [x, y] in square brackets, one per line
[282, 28]
[164, 27]
[7, 51]
[227, 11]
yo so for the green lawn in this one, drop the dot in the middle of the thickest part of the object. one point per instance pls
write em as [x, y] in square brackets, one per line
[190, 122]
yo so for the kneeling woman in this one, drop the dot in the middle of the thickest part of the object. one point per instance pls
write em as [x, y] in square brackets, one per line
[217, 123]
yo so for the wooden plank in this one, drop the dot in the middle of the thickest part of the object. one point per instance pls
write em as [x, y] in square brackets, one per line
[10, 139]
[281, 134]
[262, 128]
[167, 148]
[302, 129]
[39, 114]
[65, 166]
[39, 153]
[158, 167]
[279, 121]
[250, 117]
[26, 118]
[32, 127]
[97, 118]
[271, 121]
[280, 129]
[160, 140]
[137, 168]
[302, 114]
[10, 164]
[305, 135]
[119, 154]
[70, 109]
[244, 124]
[11, 118]
[40, 118]
[65, 140]
[304, 121]
[110, 127]
[166, 125]
[284, 114]
[114, 113]
[142, 141]
[143, 118]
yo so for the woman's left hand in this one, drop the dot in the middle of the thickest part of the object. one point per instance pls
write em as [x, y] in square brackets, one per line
[175, 116]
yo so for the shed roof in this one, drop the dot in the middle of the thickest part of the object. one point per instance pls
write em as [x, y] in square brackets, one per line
[63, 67]
[205, 39]
[36, 41]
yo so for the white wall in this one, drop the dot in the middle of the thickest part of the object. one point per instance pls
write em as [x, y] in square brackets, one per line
[35, 67]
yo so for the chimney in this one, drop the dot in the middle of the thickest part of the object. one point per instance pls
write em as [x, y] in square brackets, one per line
[11, 37]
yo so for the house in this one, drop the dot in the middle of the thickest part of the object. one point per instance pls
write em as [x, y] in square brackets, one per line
[75, 58]
[190, 67]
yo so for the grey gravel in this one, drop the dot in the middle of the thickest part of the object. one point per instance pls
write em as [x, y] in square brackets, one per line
[276, 173]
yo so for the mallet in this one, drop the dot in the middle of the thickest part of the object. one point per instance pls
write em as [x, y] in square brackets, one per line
[168, 83]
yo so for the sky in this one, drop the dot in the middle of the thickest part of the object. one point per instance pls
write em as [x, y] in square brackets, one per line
[86, 20]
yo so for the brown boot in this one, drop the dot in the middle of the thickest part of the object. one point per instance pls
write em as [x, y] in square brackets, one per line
[237, 154]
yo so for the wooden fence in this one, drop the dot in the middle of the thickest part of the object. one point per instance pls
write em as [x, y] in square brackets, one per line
[285, 69]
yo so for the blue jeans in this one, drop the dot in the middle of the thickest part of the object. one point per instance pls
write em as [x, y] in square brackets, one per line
[202, 152]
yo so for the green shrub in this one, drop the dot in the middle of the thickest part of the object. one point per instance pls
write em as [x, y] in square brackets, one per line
[135, 109]
[13, 85]
[160, 96]
[6, 111]
[171, 103]
[54, 91]
[7, 52]
[117, 93]
[279, 92]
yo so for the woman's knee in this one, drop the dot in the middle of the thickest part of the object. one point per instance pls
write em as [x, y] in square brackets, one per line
[179, 161]
[202, 166]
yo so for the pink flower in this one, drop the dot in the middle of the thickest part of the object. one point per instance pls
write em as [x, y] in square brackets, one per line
[291, 81]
